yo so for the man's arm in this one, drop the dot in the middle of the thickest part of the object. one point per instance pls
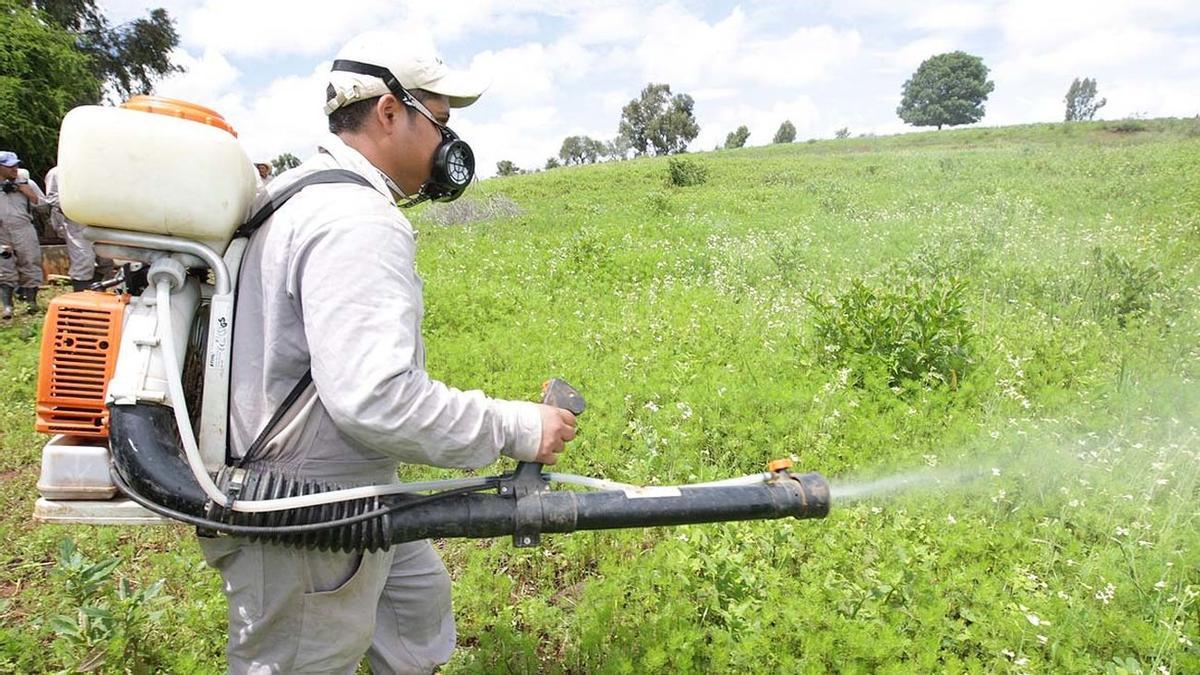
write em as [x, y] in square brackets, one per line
[359, 298]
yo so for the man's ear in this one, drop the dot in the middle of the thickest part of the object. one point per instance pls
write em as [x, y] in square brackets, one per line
[388, 111]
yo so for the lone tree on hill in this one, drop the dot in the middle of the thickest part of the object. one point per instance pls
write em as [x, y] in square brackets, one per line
[786, 133]
[580, 150]
[947, 89]
[844, 132]
[659, 121]
[552, 163]
[1081, 100]
[505, 167]
[737, 138]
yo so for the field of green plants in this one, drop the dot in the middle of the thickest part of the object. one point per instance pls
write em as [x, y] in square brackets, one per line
[1006, 317]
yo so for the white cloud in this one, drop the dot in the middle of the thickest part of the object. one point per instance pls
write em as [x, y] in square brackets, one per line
[694, 53]
[955, 16]
[204, 79]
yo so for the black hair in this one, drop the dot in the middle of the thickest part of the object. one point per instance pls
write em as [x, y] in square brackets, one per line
[350, 118]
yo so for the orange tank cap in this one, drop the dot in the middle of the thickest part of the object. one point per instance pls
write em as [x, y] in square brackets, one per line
[181, 109]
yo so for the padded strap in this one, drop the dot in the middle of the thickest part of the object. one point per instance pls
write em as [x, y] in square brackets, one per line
[250, 227]
[316, 178]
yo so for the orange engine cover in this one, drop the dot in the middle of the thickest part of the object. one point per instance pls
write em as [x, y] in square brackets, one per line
[79, 352]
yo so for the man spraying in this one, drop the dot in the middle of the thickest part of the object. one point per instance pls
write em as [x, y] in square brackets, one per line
[328, 286]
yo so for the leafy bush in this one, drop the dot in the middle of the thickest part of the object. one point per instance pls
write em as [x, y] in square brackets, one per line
[110, 623]
[682, 172]
[1128, 125]
[1119, 289]
[919, 332]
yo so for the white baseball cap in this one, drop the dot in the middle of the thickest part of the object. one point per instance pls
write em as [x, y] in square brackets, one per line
[413, 61]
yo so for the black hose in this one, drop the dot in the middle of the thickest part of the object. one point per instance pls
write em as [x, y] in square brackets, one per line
[284, 530]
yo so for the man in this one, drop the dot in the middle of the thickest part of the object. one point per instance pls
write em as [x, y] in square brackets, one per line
[264, 173]
[86, 267]
[328, 284]
[20, 252]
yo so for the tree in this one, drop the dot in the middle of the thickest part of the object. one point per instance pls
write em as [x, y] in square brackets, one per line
[1081, 100]
[786, 133]
[552, 163]
[659, 121]
[617, 148]
[284, 162]
[506, 168]
[580, 150]
[42, 76]
[127, 58]
[737, 138]
[844, 132]
[947, 89]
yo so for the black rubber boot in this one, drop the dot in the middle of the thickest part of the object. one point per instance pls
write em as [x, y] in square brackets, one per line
[77, 285]
[6, 300]
[30, 294]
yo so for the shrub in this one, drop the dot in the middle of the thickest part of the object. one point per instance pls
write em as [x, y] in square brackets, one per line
[109, 626]
[1119, 289]
[467, 211]
[1128, 125]
[919, 332]
[682, 172]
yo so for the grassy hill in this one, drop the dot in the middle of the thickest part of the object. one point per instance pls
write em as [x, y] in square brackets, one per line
[1007, 317]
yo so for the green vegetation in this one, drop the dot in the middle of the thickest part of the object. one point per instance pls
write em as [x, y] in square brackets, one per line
[1018, 304]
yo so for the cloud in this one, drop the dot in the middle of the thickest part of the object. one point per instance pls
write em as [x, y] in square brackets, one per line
[694, 53]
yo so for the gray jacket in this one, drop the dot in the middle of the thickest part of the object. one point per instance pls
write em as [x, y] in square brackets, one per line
[329, 282]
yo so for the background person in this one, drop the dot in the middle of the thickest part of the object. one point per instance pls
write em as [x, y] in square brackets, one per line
[86, 267]
[21, 271]
[264, 172]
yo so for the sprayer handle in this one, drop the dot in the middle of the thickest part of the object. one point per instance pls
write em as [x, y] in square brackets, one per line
[557, 393]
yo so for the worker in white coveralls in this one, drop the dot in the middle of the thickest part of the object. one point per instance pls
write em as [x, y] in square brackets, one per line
[20, 252]
[86, 267]
[329, 284]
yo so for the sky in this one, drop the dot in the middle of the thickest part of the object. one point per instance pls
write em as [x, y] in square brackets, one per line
[560, 67]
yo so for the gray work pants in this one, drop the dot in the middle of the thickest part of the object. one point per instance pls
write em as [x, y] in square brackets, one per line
[79, 252]
[24, 268]
[302, 611]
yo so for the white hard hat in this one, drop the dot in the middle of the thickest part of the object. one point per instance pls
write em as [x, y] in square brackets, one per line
[413, 61]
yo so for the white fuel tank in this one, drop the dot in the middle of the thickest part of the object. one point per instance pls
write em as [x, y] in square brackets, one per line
[157, 166]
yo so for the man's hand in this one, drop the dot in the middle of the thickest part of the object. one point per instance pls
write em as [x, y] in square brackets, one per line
[29, 192]
[558, 427]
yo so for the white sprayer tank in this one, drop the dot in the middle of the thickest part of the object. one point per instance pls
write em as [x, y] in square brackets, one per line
[157, 166]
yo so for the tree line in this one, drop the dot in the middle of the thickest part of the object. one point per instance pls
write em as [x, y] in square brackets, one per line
[946, 90]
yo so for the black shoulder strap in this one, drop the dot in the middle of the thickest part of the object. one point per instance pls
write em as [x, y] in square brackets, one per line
[316, 178]
[249, 228]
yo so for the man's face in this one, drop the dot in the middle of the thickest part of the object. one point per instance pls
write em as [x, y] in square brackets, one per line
[263, 170]
[419, 141]
[8, 172]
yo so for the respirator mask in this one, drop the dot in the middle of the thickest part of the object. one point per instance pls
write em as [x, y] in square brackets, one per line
[453, 161]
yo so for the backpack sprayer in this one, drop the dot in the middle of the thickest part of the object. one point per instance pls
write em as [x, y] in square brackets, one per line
[135, 385]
